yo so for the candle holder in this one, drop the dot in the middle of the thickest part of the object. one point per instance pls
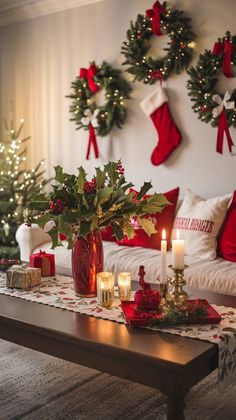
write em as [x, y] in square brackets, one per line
[105, 288]
[124, 286]
[177, 296]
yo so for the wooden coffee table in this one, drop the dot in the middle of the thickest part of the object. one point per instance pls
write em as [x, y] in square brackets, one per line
[168, 362]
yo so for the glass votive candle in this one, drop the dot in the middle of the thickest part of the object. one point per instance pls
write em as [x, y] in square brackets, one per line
[105, 288]
[124, 286]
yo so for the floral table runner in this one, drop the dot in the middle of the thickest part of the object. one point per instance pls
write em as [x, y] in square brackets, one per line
[58, 292]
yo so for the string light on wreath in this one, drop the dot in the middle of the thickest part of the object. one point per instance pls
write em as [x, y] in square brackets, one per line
[99, 120]
[212, 107]
[158, 21]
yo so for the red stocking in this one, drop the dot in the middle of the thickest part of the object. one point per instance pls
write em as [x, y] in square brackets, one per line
[156, 107]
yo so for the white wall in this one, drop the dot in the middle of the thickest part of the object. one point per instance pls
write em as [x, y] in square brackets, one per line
[40, 58]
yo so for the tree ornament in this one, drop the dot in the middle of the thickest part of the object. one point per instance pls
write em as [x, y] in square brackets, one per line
[169, 137]
[158, 21]
[218, 109]
[99, 120]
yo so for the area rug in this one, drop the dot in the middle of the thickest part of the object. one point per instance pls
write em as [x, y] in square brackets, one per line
[34, 386]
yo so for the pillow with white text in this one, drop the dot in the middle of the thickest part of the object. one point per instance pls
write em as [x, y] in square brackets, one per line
[199, 221]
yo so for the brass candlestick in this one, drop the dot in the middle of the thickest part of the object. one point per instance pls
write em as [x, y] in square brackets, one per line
[177, 296]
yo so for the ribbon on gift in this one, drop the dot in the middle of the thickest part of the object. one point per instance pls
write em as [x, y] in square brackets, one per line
[219, 112]
[155, 15]
[16, 268]
[89, 75]
[227, 48]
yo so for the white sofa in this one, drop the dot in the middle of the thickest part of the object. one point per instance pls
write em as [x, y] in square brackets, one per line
[203, 277]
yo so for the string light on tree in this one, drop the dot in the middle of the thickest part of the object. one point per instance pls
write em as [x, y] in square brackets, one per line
[14, 194]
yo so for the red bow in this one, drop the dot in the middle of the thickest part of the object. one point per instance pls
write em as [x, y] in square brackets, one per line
[223, 128]
[92, 142]
[155, 15]
[227, 48]
[156, 75]
[89, 74]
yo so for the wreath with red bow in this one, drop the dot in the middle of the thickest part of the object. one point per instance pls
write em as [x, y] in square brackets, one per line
[98, 119]
[158, 21]
[218, 109]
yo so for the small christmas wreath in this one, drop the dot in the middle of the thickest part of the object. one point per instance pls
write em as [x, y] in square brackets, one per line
[89, 116]
[204, 78]
[218, 109]
[158, 20]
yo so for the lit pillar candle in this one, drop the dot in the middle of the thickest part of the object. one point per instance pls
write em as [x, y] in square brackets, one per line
[178, 252]
[124, 285]
[105, 288]
[163, 257]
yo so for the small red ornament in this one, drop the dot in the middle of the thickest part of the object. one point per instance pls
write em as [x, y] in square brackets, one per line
[146, 299]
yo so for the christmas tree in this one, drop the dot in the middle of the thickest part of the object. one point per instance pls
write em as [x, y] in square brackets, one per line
[17, 187]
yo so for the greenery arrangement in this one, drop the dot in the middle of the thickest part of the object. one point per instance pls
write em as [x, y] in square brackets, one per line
[78, 206]
[17, 186]
[84, 109]
[188, 312]
[178, 53]
[203, 82]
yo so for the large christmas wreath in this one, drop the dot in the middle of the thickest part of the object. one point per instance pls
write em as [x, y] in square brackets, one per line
[85, 112]
[217, 108]
[159, 20]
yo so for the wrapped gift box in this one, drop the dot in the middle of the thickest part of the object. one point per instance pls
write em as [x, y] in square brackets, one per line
[44, 261]
[21, 277]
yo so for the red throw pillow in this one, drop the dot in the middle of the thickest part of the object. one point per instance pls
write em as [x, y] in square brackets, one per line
[107, 234]
[227, 236]
[162, 220]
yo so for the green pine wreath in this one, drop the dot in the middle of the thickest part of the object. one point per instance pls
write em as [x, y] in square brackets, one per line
[112, 113]
[202, 85]
[178, 53]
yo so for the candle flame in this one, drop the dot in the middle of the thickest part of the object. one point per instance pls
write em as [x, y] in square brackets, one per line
[177, 234]
[163, 234]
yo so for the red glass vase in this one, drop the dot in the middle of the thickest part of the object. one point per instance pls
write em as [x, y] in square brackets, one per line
[87, 261]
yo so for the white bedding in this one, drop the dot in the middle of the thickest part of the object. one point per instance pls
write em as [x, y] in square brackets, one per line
[217, 276]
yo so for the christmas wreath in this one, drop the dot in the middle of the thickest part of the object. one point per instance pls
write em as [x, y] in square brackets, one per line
[218, 109]
[158, 21]
[99, 119]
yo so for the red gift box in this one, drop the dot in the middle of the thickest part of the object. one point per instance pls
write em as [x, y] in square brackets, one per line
[44, 261]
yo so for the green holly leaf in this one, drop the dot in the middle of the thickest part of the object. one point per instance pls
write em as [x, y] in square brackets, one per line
[147, 225]
[54, 237]
[145, 188]
[81, 180]
[129, 231]
[59, 176]
[104, 195]
[85, 228]
[100, 177]
[118, 232]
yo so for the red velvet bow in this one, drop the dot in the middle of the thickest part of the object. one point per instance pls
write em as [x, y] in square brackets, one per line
[155, 15]
[89, 74]
[223, 128]
[156, 75]
[227, 48]
[92, 142]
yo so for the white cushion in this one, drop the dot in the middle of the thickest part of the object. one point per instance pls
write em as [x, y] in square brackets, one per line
[199, 221]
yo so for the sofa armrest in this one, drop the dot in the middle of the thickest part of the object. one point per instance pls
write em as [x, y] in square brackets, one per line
[29, 238]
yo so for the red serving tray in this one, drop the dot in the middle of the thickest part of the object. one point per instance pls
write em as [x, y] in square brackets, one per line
[137, 318]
